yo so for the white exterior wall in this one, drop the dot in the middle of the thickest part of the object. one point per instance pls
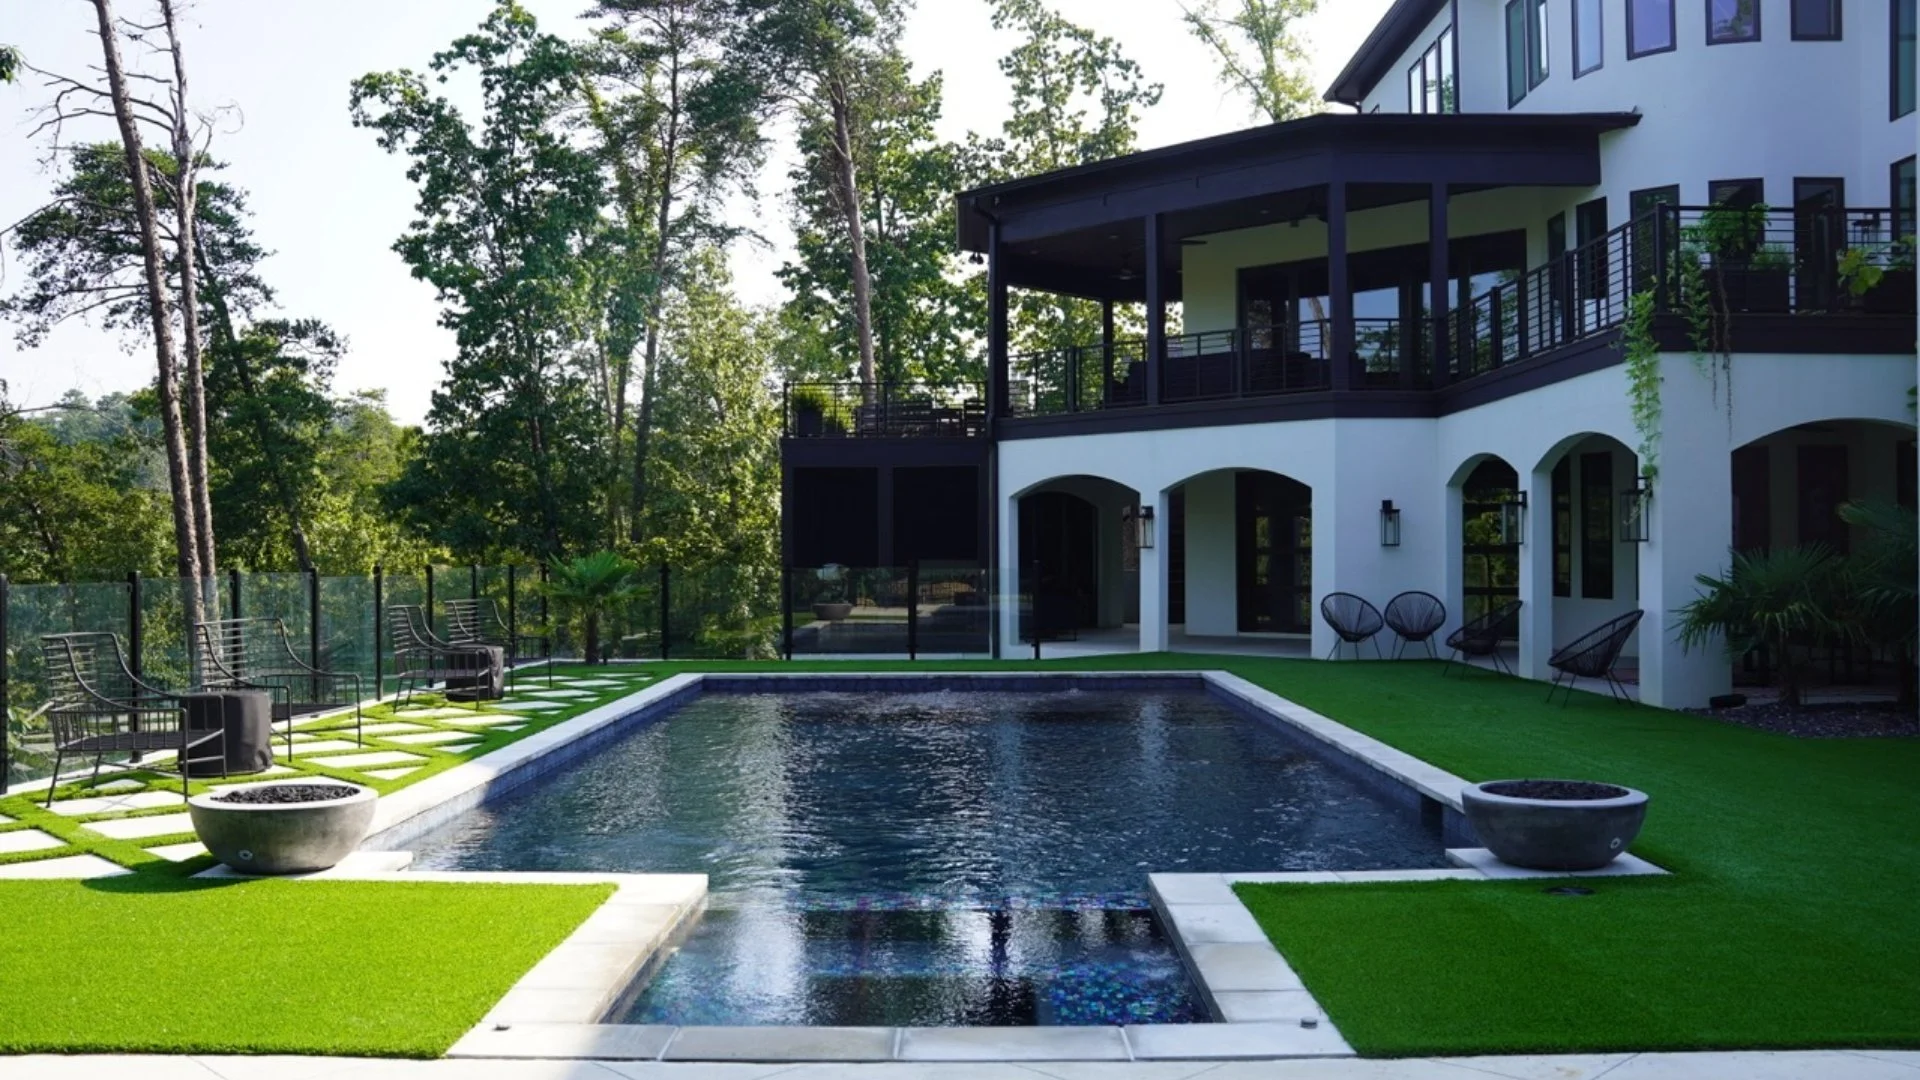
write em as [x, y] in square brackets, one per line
[1212, 578]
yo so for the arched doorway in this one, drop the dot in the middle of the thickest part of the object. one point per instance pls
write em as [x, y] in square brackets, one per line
[1078, 569]
[1240, 545]
[1489, 537]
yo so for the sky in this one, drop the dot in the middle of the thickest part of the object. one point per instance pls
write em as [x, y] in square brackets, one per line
[328, 203]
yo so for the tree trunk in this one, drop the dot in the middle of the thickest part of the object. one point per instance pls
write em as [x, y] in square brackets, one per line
[186, 542]
[186, 199]
[649, 375]
[849, 186]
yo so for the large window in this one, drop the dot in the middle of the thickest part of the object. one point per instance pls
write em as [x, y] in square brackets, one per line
[1589, 51]
[1589, 226]
[1738, 194]
[1816, 20]
[1902, 61]
[1729, 21]
[1563, 527]
[1649, 27]
[1596, 525]
[1526, 47]
[1430, 86]
[1904, 205]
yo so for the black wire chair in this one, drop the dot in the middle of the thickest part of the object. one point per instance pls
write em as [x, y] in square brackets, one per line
[257, 654]
[99, 706]
[1414, 617]
[1354, 620]
[1482, 637]
[478, 622]
[1593, 656]
[420, 659]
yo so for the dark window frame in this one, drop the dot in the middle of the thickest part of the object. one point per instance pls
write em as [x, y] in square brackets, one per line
[1836, 7]
[1751, 39]
[1758, 183]
[1673, 31]
[1538, 43]
[1893, 57]
[1596, 525]
[1904, 214]
[1516, 88]
[1563, 527]
[1591, 269]
[1573, 31]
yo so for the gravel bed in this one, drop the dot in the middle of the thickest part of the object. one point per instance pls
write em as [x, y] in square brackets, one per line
[1555, 790]
[1843, 720]
[282, 794]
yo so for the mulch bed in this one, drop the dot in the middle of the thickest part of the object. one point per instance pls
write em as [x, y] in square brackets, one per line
[1844, 720]
[281, 794]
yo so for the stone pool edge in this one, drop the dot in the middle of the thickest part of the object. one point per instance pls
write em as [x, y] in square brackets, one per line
[1258, 1000]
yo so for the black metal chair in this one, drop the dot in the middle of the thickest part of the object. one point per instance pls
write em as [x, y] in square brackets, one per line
[1414, 618]
[99, 706]
[1482, 637]
[420, 659]
[1593, 656]
[257, 654]
[1354, 620]
[478, 622]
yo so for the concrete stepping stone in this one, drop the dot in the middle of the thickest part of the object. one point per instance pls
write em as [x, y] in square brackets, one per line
[28, 840]
[110, 804]
[487, 721]
[559, 693]
[509, 727]
[366, 761]
[461, 749]
[392, 774]
[527, 706]
[113, 787]
[72, 866]
[447, 713]
[140, 827]
[324, 746]
[428, 738]
[391, 728]
[5, 820]
[192, 849]
[253, 778]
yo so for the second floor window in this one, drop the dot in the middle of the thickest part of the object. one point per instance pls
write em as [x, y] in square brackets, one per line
[1732, 20]
[1902, 65]
[1430, 87]
[1526, 47]
[1816, 20]
[1649, 27]
[1589, 50]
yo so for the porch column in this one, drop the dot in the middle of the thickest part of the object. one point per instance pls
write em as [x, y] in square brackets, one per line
[997, 396]
[1340, 351]
[1154, 573]
[1536, 577]
[1156, 314]
[1106, 351]
[1690, 529]
[1007, 543]
[1439, 276]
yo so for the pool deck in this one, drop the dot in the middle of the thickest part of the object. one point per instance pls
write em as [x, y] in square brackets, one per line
[1795, 1065]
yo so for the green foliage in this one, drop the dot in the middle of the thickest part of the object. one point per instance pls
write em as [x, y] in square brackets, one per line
[9, 63]
[1780, 600]
[76, 500]
[1642, 355]
[1859, 273]
[1881, 575]
[1261, 53]
[586, 589]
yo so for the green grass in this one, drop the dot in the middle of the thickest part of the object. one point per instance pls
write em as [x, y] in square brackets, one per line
[149, 963]
[1791, 919]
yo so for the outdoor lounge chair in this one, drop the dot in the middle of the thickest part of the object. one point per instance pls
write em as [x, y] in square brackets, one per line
[478, 622]
[1414, 617]
[1354, 620]
[421, 660]
[257, 654]
[100, 707]
[1482, 637]
[1593, 655]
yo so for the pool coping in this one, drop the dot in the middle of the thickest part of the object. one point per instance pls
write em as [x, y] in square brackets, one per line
[1263, 1009]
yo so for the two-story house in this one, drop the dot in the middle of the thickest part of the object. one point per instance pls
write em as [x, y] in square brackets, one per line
[1559, 304]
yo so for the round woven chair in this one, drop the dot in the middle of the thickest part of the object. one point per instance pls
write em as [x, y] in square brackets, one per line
[1415, 617]
[1354, 620]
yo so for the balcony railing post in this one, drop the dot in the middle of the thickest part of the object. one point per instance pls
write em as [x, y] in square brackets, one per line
[1521, 321]
[1073, 379]
[1239, 347]
[1496, 339]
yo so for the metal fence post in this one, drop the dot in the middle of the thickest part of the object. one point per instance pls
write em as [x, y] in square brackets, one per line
[513, 611]
[6, 701]
[313, 626]
[666, 600]
[429, 604]
[786, 612]
[136, 633]
[473, 581]
[913, 609]
[379, 680]
[233, 587]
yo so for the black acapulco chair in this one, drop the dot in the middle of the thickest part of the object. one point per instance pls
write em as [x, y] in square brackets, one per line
[1593, 656]
[1482, 637]
[1414, 617]
[1354, 620]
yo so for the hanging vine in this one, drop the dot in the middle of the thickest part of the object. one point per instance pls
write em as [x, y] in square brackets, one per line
[1642, 356]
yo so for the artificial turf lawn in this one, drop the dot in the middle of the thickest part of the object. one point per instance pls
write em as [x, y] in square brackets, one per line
[150, 963]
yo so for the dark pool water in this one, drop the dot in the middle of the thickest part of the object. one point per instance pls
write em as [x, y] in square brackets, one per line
[940, 858]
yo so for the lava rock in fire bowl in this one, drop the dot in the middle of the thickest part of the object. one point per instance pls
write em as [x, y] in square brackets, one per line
[1554, 824]
[283, 826]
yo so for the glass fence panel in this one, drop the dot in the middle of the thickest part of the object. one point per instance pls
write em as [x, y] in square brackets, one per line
[33, 611]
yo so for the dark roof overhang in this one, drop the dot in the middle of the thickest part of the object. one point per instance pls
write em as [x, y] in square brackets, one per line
[1391, 36]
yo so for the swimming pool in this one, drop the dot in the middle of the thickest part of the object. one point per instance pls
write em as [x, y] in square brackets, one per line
[944, 858]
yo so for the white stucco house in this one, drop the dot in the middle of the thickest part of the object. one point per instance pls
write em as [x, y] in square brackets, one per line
[1436, 298]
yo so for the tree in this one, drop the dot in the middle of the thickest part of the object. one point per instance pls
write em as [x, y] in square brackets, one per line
[9, 63]
[507, 208]
[75, 500]
[819, 58]
[363, 454]
[682, 131]
[588, 588]
[1261, 53]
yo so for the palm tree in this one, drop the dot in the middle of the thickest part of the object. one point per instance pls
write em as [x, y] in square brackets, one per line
[1886, 603]
[1777, 599]
[588, 588]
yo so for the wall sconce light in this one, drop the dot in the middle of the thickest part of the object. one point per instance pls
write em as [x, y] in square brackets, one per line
[1513, 519]
[1635, 503]
[1141, 518]
[1389, 524]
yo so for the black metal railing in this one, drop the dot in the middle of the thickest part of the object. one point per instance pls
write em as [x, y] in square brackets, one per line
[887, 410]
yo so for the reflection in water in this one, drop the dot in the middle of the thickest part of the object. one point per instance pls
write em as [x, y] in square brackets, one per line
[935, 858]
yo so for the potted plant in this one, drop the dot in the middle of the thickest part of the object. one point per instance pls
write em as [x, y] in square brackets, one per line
[283, 826]
[815, 413]
[1740, 270]
[1780, 599]
[1554, 824]
[833, 610]
[1881, 282]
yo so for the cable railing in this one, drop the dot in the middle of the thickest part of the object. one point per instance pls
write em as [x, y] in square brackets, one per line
[818, 410]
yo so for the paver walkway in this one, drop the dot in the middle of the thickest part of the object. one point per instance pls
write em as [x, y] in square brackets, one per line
[1811, 1065]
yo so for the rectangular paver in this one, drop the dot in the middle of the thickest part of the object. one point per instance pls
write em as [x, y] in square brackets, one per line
[1012, 1044]
[428, 738]
[781, 1044]
[108, 804]
[28, 840]
[72, 866]
[137, 828]
[365, 761]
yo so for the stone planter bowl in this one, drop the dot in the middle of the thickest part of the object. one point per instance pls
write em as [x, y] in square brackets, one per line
[1554, 824]
[282, 838]
[833, 612]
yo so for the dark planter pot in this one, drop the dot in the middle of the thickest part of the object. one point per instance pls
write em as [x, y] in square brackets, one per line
[1554, 824]
[282, 838]
[1893, 296]
[808, 423]
[832, 612]
[1750, 289]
